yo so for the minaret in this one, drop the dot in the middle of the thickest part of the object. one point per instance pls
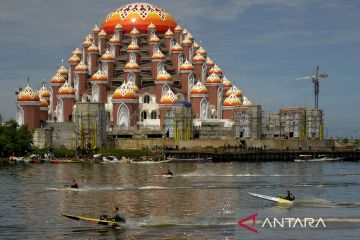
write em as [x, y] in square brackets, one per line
[168, 36]
[66, 101]
[28, 108]
[177, 33]
[226, 84]
[132, 68]
[198, 61]
[213, 83]
[73, 61]
[175, 52]
[156, 58]
[185, 70]
[209, 63]
[99, 87]
[77, 52]
[135, 34]
[115, 44]
[102, 38]
[215, 69]
[95, 32]
[120, 31]
[198, 94]
[62, 70]
[167, 101]
[81, 75]
[162, 79]
[108, 62]
[45, 93]
[93, 57]
[154, 41]
[125, 106]
[86, 43]
[56, 82]
[151, 31]
[133, 50]
[186, 45]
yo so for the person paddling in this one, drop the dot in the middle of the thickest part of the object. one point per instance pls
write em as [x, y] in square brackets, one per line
[74, 184]
[118, 217]
[169, 172]
[289, 196]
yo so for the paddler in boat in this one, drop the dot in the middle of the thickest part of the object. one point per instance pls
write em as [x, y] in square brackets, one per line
[74, 184]
[169, 172]
[289, 196]
[118, 216]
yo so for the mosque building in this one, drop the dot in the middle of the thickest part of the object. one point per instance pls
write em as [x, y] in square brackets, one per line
[138, 63]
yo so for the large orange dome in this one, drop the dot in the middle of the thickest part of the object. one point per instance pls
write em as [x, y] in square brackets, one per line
[139, 15]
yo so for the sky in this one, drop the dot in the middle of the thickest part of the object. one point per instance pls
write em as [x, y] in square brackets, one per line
[261, 45]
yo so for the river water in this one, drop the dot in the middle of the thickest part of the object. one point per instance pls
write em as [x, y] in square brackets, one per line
[201, 201]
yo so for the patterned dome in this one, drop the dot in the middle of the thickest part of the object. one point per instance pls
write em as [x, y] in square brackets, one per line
[124, 92]
[102, 34]
[246, 101]
[226, 82]
[77, 51]
[176, 48]
[209, 62]
[169, 33]
[63, 71]
[44, 92]
[234, 90]
[216, 70]
[178, 28]
[185, 32]
[151, 26]
[87, 42]
[28, 95]
[81, 67]
[57, 78]
[232, 101]
[133, 86]
[66, 89]
[96, 29]
[118, 27]
[158, 55]
[189, 36]
[99, 76]
[198, 58]
[169, 98]
[196, 46]
[93, 48]
[140, 15]
[107, 56]
[74, 59]
[115, 38]
[43, 103]
[134, 32]
[164, 76]
[202, 51]
[133, 47]
[199, 88]
[213, 78]
[186, 66]
[154, 39]
[186, 42]
[131, 65]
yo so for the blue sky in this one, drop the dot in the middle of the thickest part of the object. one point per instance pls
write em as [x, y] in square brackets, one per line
[261, 45]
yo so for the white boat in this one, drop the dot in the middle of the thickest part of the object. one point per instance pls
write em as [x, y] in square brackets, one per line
[316, 158]
[110, 159]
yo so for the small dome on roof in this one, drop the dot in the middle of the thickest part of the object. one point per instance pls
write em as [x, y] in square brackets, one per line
[198, 58]
[44, 92]
[232, 101]
[74, 59]
[118, 27]
[93, 48]
[186, 66]
[199, 88]
[186, 42]
[178, 28]
[77, 51]
[209, 62]
[87, 42]
[201, 50]
[96, 29]
[151, 26]
[28, 95]
[134, 32]
[215, 69]
[99, 76]
[43, 103]
[154, 39]
[63, 71]
[133, 47]
[131, 65]
[158, 55]
[124, 92]
[102, 33]
[115, 38]
[184, 32]
[176, 48]
[169, 33]
[234, 90]
[246, 101]
[66, 89]
[213, 78]
[58, 78]
[169, 98]
[133, 86]
[196, 46]
[163, 76]
[226, 82]
[189, 36]
[81, 67]
[107, 56]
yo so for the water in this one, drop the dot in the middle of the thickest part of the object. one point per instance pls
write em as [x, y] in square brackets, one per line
[202, 201]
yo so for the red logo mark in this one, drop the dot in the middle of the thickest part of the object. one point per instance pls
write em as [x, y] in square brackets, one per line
[242, 221]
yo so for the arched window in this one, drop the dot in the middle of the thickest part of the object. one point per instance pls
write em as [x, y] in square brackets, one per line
[153, 115]
[112, 50]
[146, 98]
[204, 109]
[19, 115]
[156, 47]
[123, 116]
[60, 110]
[219, 102]
[143, 115]
[89, 62]
[76, 87]
[180, 60]
[191, 81]
[160, 67]
[105, 68]
[203, 73]
[131, 77]
[165, 89]
[95, 93]
[191, 51]
[132, 57]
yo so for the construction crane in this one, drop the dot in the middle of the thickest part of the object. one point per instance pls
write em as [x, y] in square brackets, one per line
[315, 79]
